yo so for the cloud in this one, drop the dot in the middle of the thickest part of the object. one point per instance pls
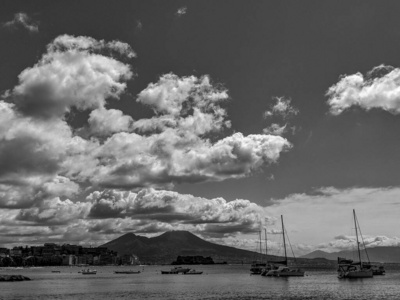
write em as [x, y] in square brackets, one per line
[105, 122]
[31, 155]
[174, 145]
[108, 214]
[22, 20]
[343, 242]
[379, 88]
[180, 143]
[36, 150]
[113, 212]
[54, 212]
[174, 156]
[48, 164]
[282, 111]
[172, 207]
[181, 11]
[170, 93]
[139, 25]
[71, 74]
[282, 107]
[275, 129]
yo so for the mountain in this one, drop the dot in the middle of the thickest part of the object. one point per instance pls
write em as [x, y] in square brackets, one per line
[376, 254]
[166, 247]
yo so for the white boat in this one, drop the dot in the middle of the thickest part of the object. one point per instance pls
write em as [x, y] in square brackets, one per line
[281, 268]
[348, 268]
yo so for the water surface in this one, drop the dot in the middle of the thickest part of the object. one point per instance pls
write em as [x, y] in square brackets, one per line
[217, 282]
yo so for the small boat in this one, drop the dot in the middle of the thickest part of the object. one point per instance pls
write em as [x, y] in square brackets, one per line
[348, 268]
[284, 271]
[55, 271]
[88, 272]
[257, 266]
[176, 270]
[193, 272]
[126, 272]
[281, 268]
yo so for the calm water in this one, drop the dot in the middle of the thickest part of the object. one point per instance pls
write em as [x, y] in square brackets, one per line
[217, 282]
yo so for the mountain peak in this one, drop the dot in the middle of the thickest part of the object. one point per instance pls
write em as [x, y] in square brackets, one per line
[167, 246]
[128, 235]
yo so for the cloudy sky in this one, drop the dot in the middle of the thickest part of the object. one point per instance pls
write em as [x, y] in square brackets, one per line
[212, 117]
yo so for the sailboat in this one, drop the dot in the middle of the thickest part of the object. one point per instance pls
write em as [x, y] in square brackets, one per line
[257, 266]
[280, 268]
[350, 269]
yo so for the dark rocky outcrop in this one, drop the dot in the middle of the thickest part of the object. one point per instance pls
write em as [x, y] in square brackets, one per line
[13, 278]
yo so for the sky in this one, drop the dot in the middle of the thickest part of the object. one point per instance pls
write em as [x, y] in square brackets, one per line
[211, 117]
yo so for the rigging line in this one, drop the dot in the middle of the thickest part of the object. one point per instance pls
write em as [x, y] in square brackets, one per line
[362, 238]
[290, 246]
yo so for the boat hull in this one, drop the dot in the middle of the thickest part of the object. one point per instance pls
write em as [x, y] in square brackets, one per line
[126, 272]
[275, 273]
[357, 274]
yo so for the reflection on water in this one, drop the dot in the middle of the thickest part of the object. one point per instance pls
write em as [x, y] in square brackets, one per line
[217, 282]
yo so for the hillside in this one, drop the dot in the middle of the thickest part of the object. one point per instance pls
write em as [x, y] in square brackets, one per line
[376, 254]
[166, 247]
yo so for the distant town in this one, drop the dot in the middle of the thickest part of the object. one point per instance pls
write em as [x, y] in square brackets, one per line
[51, 254]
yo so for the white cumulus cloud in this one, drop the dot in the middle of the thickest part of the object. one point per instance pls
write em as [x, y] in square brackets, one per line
[70, 75]
[379, 88]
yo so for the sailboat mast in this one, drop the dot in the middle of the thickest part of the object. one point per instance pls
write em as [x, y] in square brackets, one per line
[284, 240]
[266, 246]
[358, 244]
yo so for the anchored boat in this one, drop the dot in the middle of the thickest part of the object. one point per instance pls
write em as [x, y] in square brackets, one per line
[258, 266]
[193, 272]
[126, 272]
[88, 272]
[281, 268]
[176, 270]
[350, 269]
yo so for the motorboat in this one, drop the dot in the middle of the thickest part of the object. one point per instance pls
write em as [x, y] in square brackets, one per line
[193, 272]
[88, 272]
[176, 270]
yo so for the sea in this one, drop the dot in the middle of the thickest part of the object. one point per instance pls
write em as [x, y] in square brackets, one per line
[216, 282]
